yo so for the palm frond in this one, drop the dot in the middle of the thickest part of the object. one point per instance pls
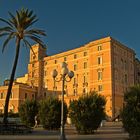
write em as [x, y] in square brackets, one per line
[37, 40]
[36, 31]
[22, 17]
[31, 23]
[6, 29]
[31, 20]
[29, 45]
[13, 20]
[4, 34]
[26, 11]
[11, 35]
[32, 34]
[7, 22]
[18, 18]
[30, 13]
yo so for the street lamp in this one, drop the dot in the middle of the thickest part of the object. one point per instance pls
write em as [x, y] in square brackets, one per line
[64, 74]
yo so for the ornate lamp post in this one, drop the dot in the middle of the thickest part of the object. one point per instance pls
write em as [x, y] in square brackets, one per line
[64, 74]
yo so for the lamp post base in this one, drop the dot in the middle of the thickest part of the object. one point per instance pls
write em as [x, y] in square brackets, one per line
[62, 137]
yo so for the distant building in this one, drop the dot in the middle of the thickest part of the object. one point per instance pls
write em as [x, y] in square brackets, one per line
[20, 93]
[6, 82]
[103, 65]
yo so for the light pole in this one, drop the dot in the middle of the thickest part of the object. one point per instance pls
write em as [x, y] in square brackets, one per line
[64, 74]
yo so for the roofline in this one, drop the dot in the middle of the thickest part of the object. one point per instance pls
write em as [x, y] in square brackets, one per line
[87, 45]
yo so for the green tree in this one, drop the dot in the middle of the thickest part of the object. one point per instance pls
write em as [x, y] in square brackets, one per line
[18, 27]
[87, 112]
[131, 111]
[27, 112]
[50, 113]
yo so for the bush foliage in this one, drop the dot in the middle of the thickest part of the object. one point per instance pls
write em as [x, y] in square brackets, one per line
[50, 113]
[131, 111]
[87, 112]
[27, 112]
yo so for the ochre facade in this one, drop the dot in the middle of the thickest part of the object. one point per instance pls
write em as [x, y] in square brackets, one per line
[104, 65]
[20, 93]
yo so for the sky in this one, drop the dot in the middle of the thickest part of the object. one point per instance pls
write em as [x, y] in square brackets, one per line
[72, 23]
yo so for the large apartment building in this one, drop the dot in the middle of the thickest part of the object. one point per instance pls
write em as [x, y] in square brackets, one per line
[103, 65]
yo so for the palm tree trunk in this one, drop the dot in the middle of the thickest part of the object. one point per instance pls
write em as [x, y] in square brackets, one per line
[5, 121]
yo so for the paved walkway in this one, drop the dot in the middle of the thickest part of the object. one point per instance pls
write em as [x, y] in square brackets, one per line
[110, 131]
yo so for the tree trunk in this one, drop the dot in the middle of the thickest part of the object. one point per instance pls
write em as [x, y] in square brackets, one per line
[5, 121]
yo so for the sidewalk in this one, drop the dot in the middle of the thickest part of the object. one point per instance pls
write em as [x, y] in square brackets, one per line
[107, 132]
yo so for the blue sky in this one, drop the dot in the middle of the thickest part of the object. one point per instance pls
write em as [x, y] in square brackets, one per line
[71, 23]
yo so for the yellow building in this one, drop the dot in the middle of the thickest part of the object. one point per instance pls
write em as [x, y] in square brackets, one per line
[20, 92]
[103, 65]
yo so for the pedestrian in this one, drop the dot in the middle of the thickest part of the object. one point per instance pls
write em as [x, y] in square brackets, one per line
[36, 121]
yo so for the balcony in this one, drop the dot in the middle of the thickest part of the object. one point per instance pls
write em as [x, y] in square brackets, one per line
[85, 84]
[75, 85]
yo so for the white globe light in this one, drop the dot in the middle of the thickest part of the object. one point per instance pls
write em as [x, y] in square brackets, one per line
[71, 74]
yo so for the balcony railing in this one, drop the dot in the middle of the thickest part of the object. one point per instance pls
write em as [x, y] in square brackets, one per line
[85, 84]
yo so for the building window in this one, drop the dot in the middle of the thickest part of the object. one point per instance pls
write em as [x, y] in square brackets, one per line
[1, 95]
[65, 58]
[100, 88]
[100, 75]
[99, 60]
[125, 65]
[75, 67]
[125, 78]
[85, 65]
[25, 95]
[34, 57]
[55, 61]
[32, 74]
[84, 79]
[116, 75]
[74, 92]
[84, 90]
[85, 53]
[75, 56]
[99, 48]
[74, 81]
[122, 63]
[115, 60]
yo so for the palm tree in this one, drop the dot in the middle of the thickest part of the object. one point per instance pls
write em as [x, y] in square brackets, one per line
[18, 27]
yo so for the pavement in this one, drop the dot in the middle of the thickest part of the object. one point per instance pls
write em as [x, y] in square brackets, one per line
[109, 131]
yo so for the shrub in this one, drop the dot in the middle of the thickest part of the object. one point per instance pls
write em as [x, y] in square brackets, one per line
[87, 112]
[14, 115]
[131, 111]
[50, 113]
[27, 112]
